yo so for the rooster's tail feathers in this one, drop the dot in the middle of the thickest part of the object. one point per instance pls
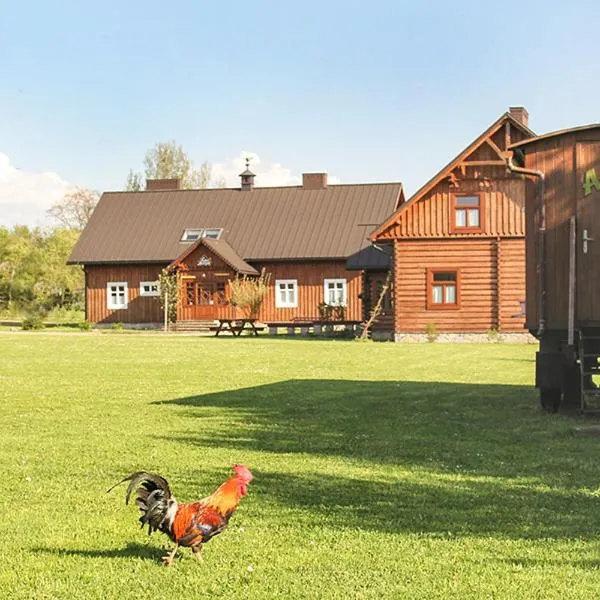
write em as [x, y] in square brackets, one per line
[154, 498]
[147, 482]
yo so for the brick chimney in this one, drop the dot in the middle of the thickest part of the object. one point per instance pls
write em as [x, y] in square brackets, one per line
[154, 185]
[314, 181]
[519, 113]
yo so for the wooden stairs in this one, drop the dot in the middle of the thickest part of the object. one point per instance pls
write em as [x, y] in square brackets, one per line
[192, 326]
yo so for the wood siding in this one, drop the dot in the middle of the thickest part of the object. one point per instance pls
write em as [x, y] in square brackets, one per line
[140, 309]
[309, 275]
[492, 282]
[488, 258]
[556, 158]
[503, 202]
[216, 275]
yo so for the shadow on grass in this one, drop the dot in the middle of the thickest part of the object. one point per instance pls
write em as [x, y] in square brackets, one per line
[476, 459]
[131, 550]
[529, 563]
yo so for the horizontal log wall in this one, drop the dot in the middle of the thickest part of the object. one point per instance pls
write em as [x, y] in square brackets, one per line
[492, 280]
[511, 284]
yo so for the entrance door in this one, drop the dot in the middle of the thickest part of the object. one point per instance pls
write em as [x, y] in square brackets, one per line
[202, 300]
[588, 232]
[386, 316]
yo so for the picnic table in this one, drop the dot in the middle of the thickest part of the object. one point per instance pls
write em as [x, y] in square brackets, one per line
[236, 326]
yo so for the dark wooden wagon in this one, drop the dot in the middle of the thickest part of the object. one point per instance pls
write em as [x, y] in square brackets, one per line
[563, 262]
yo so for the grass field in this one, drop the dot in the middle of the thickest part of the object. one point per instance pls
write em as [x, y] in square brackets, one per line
[382, 470]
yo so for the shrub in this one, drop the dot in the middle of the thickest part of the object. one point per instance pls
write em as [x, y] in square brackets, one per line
[493, 335]
[33, 322]
[339, 312]
[248, 293]
[431, 332]
[325, 311]
[118, 326]
[85, 326]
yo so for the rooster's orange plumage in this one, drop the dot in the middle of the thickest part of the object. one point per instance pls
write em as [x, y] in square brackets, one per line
[189, 524]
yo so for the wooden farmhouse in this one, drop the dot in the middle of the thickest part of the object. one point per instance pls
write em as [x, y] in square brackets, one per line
[302, 236]
[458, 244]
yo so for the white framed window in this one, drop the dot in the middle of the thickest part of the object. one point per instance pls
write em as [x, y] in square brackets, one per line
[191, 235]
[335, 292]
[213, 234]
[286, 293]
[116, 294]
[149, 288]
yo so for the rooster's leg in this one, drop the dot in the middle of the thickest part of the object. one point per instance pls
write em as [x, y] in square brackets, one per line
[168, 559]
[197, 550]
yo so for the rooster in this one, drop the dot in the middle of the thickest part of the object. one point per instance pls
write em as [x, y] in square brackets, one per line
[188, 524]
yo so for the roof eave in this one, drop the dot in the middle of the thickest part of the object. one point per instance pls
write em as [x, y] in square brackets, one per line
[439, 176]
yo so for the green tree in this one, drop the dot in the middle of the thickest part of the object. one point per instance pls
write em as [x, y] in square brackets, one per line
[134, 182]
[166, 160]
[4, 267]
[20, 265]
[59, 284]
[33, 270]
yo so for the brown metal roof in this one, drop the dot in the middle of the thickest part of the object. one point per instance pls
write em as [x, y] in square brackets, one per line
[545, 136]
[224, 250]
[263, 224]
[375, 257]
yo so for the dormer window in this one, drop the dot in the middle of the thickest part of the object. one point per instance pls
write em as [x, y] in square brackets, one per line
[193, 235]
[468, 212]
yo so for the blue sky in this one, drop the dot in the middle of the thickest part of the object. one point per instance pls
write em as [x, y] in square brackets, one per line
[368, 91]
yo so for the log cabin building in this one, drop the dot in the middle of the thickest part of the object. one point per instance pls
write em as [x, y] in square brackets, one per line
[457, 246]
[301, 235]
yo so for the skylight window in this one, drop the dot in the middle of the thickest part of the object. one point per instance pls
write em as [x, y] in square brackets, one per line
[193, 235]
[213, 234]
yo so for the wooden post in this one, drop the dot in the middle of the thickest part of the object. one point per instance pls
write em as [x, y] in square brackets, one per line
[572, 276]
[166, 310]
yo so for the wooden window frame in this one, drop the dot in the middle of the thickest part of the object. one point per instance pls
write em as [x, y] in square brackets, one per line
[430, 303]
[278, 302]
[336, 280]
[454, 228]
[144, 293]
[109, 303]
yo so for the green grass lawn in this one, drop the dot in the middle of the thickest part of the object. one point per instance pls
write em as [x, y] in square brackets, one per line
[381, 470]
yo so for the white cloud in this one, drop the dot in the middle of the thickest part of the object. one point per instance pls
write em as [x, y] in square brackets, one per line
[267, 174]
[25, 196]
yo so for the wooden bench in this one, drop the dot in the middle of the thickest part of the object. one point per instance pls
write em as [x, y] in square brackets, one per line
[318, 326]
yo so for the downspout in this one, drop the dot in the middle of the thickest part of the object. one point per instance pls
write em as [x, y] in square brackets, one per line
[541, 266]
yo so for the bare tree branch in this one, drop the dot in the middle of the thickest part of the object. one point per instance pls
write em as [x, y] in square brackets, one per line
[75, 208]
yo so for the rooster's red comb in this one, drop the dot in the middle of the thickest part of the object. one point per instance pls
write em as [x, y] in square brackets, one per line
[243, 471]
